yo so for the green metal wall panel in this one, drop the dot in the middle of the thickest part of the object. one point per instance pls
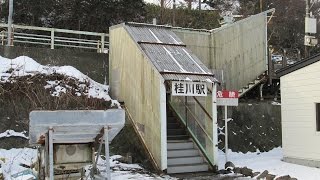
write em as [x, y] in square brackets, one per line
[238, 49]
[135, 81]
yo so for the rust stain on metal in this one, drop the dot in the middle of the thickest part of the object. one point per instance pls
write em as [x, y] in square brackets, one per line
[41, 139]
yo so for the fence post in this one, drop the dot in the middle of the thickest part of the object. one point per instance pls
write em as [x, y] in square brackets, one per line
[52, 38]
[2, 37]
[102, 42]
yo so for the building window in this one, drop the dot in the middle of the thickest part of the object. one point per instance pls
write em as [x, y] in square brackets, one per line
[318, 116]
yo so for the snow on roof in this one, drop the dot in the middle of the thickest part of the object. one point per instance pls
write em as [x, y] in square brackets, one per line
[24, 66]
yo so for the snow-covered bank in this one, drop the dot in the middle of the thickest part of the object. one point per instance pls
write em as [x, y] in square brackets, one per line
[121, 171]
[25, 66]
[11, 161]
[270, 161]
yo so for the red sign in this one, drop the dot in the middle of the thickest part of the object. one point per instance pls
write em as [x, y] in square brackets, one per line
[227, 94]
[227, 98]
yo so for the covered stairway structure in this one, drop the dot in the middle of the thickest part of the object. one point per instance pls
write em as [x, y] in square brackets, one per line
[160, 81]
[167, 91]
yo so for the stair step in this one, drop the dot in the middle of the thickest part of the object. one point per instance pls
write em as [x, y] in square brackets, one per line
[187, 168]
[185, 160]
[172, 132]
[180, 145]
[173, 125]
[178, 137]
[171, 118]
[182, 153]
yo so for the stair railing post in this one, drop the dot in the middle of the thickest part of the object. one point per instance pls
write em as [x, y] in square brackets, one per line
[214, 123]
[186, 110]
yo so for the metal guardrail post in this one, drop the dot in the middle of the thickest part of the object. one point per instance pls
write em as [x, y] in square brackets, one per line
[102, 43]
[98, 46]
[52, 38]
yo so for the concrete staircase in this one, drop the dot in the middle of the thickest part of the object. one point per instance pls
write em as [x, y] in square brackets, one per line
[183, 154]
[252, 84]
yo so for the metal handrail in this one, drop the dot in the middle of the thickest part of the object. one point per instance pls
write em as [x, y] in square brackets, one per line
[196, 119]
[193, 135]
[204, 110]
[200, 125]
[48, 37]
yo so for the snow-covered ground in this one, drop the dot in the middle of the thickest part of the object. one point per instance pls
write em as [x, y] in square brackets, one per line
[11, 161]
[24, 66]
[270, 161]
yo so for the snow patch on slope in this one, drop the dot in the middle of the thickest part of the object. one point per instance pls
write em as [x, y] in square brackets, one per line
[12, 133]
[24, 66]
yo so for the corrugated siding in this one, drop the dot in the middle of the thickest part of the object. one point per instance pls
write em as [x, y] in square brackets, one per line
[238, 49]
[300, 91]
[197, 42]
[138, 85]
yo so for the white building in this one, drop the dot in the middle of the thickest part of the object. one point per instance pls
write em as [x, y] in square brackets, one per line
[300, 109]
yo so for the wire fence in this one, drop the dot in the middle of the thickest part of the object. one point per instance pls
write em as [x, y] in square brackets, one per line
[54, 38]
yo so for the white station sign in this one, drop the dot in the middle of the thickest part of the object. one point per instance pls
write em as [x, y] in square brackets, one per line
[185, 88]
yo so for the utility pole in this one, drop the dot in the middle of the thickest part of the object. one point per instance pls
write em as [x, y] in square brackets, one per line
[199, 5]
[306, 50]
[261, 6]
[161, 11]
[9, 38]
[174, 13]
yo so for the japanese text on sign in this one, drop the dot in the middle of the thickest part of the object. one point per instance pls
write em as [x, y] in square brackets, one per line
[183, 88]
[227, 98]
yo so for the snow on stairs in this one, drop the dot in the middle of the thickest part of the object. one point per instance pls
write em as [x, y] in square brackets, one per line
[183, 154]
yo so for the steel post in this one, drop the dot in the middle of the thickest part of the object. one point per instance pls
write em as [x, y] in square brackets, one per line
[9, 37]
[52, 39]
[51, 154]
[214, 123]
[106, 143]
[226, 131]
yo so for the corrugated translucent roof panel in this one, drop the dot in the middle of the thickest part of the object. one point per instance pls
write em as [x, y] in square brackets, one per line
[174, 59]
[157, 34]
[187, 77]
[167, 52]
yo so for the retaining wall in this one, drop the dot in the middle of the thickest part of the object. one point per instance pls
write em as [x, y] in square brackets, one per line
[93, 64]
